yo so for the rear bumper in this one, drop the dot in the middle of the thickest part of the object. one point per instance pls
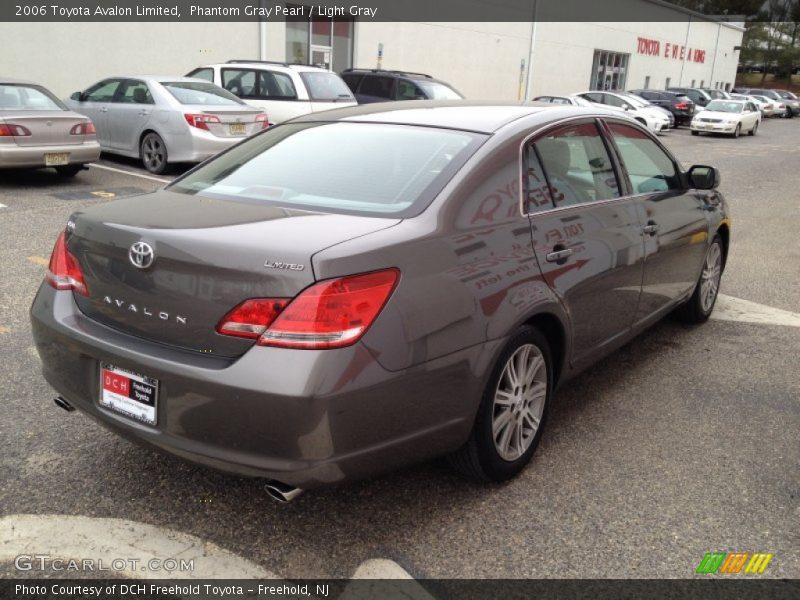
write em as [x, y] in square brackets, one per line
[13, 156]
[302, 417]
[198, 145]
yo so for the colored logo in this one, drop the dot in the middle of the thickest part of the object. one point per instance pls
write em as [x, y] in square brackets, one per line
[729, 563]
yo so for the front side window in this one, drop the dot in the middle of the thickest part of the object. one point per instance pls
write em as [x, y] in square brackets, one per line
[577, 165]
[28, 97]
[439, 91]
[103, 91]
[352, 168]
[191, 92]
[324, 85]
[650, 169]
[274, 85]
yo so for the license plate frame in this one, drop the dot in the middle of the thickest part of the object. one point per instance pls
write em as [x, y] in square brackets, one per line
[237, 128]
[56, 159]
[128, 393]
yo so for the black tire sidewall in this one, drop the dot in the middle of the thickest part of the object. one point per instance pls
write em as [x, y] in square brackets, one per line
[166, 154]
[495, 467]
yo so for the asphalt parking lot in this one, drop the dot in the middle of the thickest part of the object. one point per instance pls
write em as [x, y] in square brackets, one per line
[682, 443]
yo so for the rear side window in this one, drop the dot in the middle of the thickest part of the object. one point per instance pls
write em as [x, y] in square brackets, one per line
[379, 87]
[536, 192]
[650, 168]
[207, 74]
[577, 165]
[406, 90]
[352, 80]
[240, 82]
[352, 168]
[134, 92]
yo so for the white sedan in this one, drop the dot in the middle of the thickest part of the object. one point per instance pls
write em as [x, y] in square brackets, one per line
[732, 117]
[764, 105]
[636, 108]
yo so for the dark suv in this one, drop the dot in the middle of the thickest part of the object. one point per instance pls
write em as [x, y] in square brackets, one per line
[698, 95]
[681, 106]
[376, 85]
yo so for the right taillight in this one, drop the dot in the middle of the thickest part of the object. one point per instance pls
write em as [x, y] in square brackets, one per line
[681, 106]
[86, 128]
[64, 271]
[329, 314]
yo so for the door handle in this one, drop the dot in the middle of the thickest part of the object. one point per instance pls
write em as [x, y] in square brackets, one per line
[103, 109]
[558, 255]
[144, 113]
[650, 229]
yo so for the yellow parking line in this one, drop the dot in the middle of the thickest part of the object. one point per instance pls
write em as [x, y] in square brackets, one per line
[39, 260]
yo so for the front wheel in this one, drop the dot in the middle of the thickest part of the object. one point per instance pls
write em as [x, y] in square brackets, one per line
[698, 308]
[754, 129]
[154, 153]
[737, 131]
[512, 411]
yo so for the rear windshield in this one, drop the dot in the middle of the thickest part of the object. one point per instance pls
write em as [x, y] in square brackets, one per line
[196, 92]
[371, 169]
[438, 91]
[28, 97]
[326, 86]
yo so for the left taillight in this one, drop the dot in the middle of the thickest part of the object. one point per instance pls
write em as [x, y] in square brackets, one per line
[12, 130]
[64, 271]
[201, 120]
[262, 119]
[83, 129]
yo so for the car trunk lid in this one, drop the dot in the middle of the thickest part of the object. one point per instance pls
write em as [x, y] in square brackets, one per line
[209, 256]
[234, 121]
[47, 127]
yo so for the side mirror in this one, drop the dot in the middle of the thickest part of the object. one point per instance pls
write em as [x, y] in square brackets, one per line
[75, 96]
[626, 106]
[702, 177]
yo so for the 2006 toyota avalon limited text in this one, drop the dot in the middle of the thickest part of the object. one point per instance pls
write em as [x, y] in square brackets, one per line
[368, 287]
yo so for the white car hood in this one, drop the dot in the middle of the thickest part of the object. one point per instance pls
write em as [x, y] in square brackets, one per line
[725, 116]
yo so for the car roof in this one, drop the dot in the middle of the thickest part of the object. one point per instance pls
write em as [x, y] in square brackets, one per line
[263, 64]
[412, 75]
[480, 117]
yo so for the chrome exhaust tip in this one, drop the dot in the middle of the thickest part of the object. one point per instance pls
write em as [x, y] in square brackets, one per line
[282, 492]
[61, 403]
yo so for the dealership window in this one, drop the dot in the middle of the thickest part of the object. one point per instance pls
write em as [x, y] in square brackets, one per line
[609, 70]
[322, 42]
[702, 83]
[666, 85]
[647, 82]
[693, 83]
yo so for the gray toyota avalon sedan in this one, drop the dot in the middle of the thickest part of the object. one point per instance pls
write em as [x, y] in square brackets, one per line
[363, 288]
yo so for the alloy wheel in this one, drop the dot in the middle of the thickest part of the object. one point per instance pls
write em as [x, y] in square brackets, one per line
[709, 279]
[519, 402]
[153, 153]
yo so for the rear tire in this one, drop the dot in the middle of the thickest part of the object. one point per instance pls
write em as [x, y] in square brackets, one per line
[68, 170]
[154, 155]
[512, 412]
[695, 133]
[699, 307]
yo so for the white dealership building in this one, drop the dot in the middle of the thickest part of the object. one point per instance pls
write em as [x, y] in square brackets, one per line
[484, 60]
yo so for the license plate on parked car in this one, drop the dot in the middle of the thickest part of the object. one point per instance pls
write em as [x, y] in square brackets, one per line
[128, 393]
[238, 129]
[54, 159]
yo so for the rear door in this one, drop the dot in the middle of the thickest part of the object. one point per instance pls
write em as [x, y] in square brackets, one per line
[375, 88]
[588, 241]
[675, 227]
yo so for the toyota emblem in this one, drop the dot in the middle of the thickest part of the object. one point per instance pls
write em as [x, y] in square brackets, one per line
[141, 255]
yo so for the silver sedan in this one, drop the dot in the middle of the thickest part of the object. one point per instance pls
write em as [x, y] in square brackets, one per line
[37, 130]
[163, 120]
